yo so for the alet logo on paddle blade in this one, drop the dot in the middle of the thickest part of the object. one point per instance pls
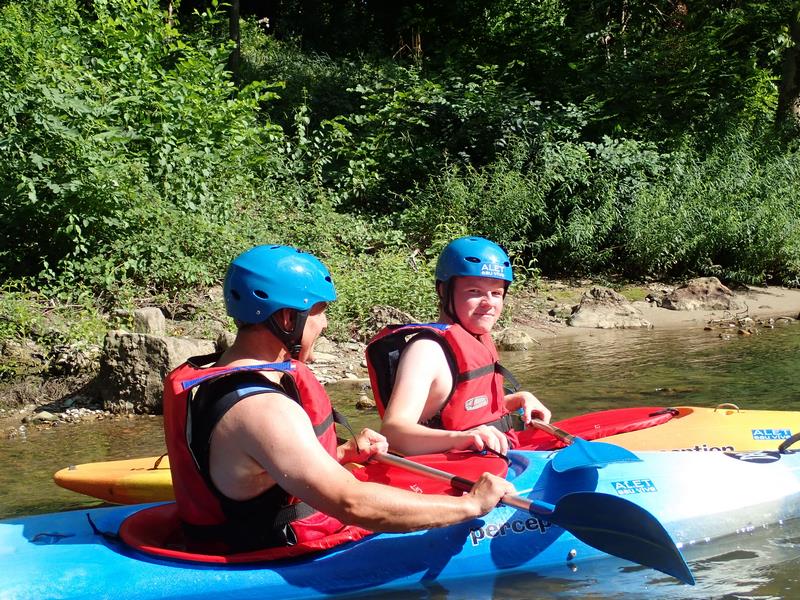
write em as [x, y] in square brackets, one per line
[476, 403]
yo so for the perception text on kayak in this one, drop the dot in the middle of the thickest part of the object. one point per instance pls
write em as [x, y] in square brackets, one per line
[515, 526]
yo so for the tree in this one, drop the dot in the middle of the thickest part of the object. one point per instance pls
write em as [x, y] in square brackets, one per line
[235, 35]
[789, 98]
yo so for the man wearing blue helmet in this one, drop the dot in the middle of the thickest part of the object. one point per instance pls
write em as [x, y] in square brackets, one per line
[440, 386]
[250, 433]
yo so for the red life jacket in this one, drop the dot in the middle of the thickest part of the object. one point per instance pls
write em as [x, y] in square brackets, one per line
[197, 503]
[477, 394]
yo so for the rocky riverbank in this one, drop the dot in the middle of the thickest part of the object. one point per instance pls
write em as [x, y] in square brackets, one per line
[122, 379]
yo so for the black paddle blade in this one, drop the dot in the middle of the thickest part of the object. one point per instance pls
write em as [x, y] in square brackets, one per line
[620, 527]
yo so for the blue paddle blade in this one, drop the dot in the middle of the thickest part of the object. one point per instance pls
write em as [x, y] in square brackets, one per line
[581, 454]
[619, 527]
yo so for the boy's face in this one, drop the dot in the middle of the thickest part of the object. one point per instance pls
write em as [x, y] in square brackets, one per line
[478, 302]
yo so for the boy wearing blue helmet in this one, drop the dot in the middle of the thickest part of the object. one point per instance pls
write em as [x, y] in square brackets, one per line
[250, 433]
[439, 386]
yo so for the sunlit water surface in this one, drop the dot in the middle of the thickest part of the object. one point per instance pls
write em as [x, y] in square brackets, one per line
[571, 375]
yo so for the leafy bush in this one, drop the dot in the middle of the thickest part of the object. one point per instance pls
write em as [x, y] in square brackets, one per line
[133, 164]
[394, 127]
[733, 213]
[28, 315]
[622, 206]
[120, 134]
[396, 278]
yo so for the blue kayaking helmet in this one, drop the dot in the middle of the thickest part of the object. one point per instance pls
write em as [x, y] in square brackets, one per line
[473, 257]
[469, 256]
[268, 278]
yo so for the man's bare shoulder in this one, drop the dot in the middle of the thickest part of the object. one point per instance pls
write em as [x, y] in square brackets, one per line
[266, 407]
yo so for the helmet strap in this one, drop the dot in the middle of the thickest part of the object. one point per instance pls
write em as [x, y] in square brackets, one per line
[445, 293]
[291, 338]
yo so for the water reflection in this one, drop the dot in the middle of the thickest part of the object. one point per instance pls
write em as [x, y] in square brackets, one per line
[617, 369]
[26, 484]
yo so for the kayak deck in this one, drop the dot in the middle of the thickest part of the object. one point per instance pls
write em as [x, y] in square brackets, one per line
[131, 481]
[696, 496]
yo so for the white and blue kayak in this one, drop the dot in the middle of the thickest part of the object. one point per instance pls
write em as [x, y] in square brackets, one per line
[566, 513]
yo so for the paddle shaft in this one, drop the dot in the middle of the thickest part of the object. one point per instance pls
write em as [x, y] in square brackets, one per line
[454, 480]
[556, 432]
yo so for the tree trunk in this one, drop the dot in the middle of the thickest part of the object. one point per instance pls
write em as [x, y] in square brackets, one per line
[233, 19]
[789, 95]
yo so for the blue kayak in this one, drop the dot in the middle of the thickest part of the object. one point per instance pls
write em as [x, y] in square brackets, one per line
[696, 497]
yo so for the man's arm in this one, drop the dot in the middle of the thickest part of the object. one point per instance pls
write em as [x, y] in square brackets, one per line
[279, 437]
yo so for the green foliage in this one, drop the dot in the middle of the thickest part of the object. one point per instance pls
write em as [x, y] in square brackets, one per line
[117, 128]
[19, 316]
[26, 314]
[366, 133]
[622, 206]
[554, 200]
[395, 278]
[734, 214]
[586, 138]
[317, 81]
[499, 202]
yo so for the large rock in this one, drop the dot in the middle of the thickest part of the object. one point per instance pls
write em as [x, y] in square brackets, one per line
[513, 340]
[22, 358]
[133, 367]
[149, 320]
[603, 308]
[703, 293]
[72, 359]
[225, 340]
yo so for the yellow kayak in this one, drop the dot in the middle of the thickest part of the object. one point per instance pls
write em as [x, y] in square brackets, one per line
[724, 428]
[131, 481]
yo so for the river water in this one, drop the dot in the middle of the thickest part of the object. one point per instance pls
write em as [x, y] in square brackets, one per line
[572, 375]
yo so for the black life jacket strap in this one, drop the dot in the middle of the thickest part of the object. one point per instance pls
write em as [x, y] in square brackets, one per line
[507, 423]
[511, 384]
[290, 513]
[198, 362]
[475, 373]
[496, 367]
